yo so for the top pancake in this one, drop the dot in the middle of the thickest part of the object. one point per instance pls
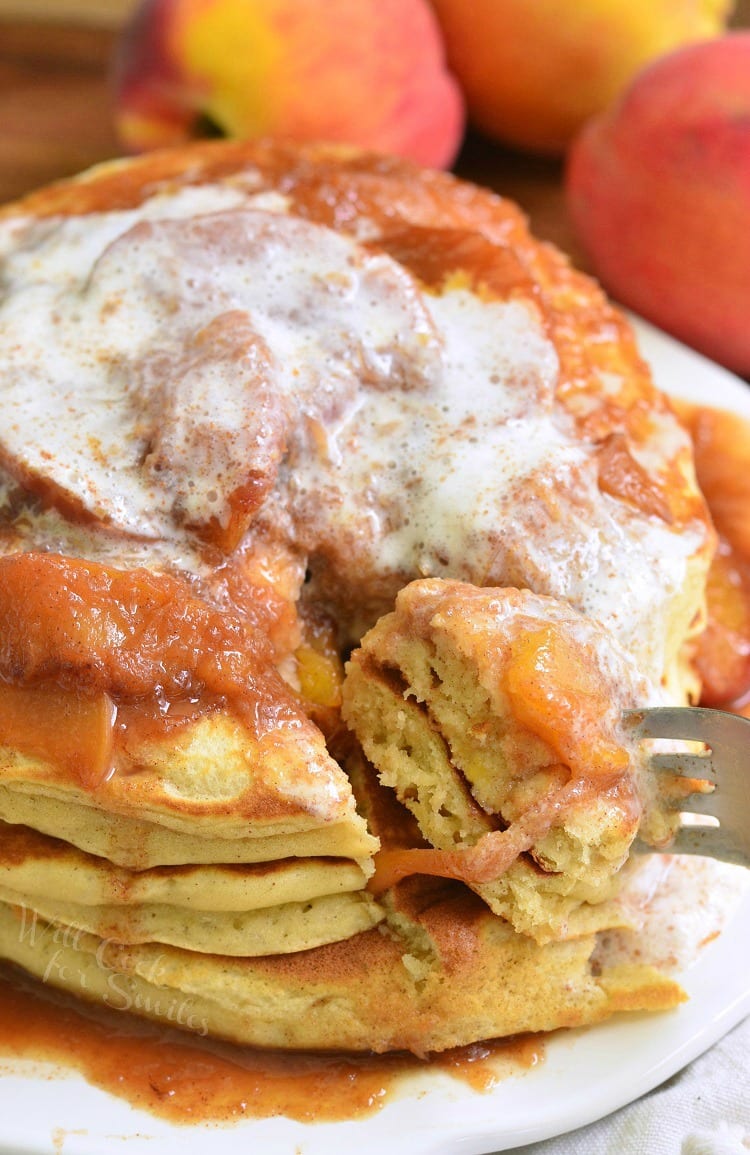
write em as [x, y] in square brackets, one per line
[391, 289]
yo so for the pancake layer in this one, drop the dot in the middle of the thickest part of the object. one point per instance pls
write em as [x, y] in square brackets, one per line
[271, 908]
[452, 973]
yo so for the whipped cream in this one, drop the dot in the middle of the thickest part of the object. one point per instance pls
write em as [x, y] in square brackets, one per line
[208, 364]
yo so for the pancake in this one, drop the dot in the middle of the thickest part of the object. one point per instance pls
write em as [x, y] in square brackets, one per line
[450, 697]
[272, 908]
[441, 970]
[132, 843]
[35, 865]
[250, 392]
[207, 743]
[274, 930]
[463, 975]
[212, 794]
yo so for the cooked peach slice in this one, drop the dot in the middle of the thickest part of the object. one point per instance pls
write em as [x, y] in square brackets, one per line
[722, 460]
[71, 731]
[556, 696]
[723, 653]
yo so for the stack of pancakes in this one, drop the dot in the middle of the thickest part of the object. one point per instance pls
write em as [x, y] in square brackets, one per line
[264, 407]
[222, 862]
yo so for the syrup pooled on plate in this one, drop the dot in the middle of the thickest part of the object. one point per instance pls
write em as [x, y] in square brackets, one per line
[187, 1079]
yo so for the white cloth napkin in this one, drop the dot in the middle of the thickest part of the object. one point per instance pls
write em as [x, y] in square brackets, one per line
[703, 1110]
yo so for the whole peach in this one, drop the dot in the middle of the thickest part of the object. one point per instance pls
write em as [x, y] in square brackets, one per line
[659, 192]
[364, 72]
[533, 71]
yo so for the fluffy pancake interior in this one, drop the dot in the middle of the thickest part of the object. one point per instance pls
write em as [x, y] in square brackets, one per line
[425, 696]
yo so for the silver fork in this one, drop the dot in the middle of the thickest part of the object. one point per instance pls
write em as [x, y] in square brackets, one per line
[725, 764]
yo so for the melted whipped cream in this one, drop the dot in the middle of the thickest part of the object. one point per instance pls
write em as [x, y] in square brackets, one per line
[675, 906]
[209, 365]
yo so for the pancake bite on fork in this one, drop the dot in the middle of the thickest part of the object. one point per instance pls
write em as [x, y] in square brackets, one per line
[496, 716]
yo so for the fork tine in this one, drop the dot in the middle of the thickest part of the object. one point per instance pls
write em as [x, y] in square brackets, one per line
[684, 765]
[724, 761]
[698, 804]
[687, 840]
[694, 724]
[693, 840]
[707, 841]
[668, 722]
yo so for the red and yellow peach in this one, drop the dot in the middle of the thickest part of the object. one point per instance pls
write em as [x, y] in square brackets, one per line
[370, 74]
[533, 71]
[659, 193]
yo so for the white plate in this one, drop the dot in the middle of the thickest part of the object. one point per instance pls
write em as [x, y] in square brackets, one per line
[585, 1075]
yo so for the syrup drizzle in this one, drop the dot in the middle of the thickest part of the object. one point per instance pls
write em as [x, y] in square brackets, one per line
[188, 1080]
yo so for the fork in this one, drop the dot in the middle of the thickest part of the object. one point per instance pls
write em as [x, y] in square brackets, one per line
[724, 764]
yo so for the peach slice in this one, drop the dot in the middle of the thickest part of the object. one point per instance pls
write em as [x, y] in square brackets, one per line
[723, 649]
[71, 731]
